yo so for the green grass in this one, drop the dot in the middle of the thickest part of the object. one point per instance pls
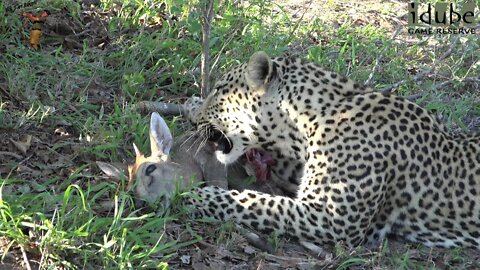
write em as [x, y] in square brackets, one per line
[68, 226]
[54, 202]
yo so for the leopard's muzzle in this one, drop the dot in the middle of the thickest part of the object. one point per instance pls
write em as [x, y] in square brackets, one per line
[219, 140]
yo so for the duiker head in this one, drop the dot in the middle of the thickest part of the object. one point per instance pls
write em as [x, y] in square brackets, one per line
[152, 177]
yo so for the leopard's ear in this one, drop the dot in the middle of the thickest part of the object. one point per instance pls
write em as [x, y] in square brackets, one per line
[259, 70]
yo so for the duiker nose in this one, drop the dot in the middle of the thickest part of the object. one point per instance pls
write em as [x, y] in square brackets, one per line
[140, 203]
[150, 169]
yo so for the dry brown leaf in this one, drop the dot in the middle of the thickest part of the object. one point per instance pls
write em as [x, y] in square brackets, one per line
[25, 169]
[61, 163]
[72, 43]
[249, 250]
[62, 132]
[218, 265]
[200, 266]
[222, 252]
[44, 155]
[24, 144]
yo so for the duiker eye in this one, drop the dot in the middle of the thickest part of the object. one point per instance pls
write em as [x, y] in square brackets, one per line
[150, 169]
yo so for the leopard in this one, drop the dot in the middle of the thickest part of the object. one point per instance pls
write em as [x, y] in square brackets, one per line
[374, 164]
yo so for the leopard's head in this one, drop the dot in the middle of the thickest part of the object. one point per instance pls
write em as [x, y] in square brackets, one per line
[231, 114]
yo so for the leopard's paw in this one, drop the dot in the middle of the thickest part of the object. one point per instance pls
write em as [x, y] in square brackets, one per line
[202, 201]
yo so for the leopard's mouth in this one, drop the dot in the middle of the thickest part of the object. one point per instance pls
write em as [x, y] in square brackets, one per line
[219, 140]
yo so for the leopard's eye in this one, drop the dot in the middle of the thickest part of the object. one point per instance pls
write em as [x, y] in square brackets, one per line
[150, 169]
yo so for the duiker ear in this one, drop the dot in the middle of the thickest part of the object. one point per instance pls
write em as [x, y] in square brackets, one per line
[111, 171]
[259, 70]
[161, 140]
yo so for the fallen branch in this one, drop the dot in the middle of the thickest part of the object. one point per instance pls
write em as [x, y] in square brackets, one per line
[307, 263]
[468, 79]
[414, 97]
[445, 83]
[162, 108]
[25, 258]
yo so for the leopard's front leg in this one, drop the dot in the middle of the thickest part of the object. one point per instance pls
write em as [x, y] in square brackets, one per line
[321, 215]
[263, 212]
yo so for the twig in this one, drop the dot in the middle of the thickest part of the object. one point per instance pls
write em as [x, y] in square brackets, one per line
[467, 79]
[290, 35]
[260, 265]
[421, 75]
[25, 258]
[414, 97]
[5, 153]
[219, 54]
[369, 81]
[87, 30]
[284, 258]
[445, 83]
[206, 244]
[327, 262]
[205, 59]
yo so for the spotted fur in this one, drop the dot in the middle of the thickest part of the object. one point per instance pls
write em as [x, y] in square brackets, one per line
[371, 163]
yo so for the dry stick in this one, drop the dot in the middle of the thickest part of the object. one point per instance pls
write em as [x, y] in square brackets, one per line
[467, 79]
[306, 263]
[205, 59]
[369, 81]
[421, 75]
[299, 21]
[223, 48]
[5, 153]
[25, 258]
[162, 108]
[414, 97]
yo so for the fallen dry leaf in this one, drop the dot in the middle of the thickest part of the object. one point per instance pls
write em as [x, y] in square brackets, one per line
[218, 265]
[249, 250]
[185, 259]
[62, 132]
[25, 169]
[44, 155]
[200, 266]
[24, 144]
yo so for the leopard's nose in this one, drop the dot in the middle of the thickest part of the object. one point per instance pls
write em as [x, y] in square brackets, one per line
[224, 145]
[220, 141]
[214, 135]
